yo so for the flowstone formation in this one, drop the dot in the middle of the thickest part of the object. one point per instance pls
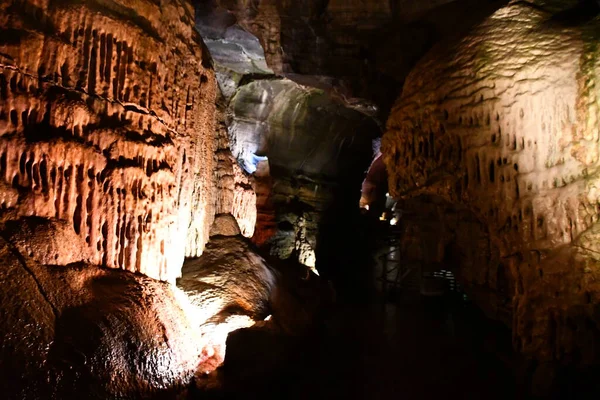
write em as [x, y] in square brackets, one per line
[498, 134]
[106, 122]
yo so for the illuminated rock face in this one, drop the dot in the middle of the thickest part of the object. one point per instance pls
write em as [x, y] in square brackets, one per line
[107, 123]
[234, 187]
[230, 286]
[502, 129]
[85, 332]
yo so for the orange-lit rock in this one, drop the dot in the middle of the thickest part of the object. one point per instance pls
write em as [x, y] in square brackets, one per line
[106, 122]
[500, 129]
[80, 331]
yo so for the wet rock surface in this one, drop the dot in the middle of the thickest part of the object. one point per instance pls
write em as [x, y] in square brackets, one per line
[80, 331]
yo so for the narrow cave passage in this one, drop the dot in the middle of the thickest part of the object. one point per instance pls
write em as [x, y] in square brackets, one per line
[299, 199]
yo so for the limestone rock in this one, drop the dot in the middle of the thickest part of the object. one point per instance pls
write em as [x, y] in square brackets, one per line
[306, 143]
[231, 286]
[47, 241]
[501, 126]
[237, 277]
[85, 332]
[225, 225]
[234, 187]
[357, 51]
[106, 121]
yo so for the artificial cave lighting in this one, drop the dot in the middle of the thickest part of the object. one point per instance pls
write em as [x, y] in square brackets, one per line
[308, 258]
[393, 221]
[250, 162]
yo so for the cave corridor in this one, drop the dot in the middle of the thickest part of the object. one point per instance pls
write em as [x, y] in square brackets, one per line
[336, 199]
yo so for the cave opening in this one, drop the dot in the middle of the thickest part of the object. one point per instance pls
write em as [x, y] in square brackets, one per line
[310, 199]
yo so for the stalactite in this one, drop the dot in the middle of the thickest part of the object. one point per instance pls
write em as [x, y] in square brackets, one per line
[89, 144]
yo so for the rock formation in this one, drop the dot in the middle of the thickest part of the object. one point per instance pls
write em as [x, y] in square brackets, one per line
[231, 286]
[234, 187]
[357, 51]
[306, 144]
[80, 331]
[498, 135]
[107, 121]
[108, 158]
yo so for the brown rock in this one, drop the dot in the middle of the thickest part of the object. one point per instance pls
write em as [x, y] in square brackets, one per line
[225, 225]
[231, 275]
[230, 285]
[106, 122]
[86, 332]
[235, 188]
[497, 131]
[47, 241]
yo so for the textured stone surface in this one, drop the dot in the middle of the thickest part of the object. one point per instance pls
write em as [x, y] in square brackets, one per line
[312, 143]
[231, 286]
[503, 125]
[234, 187]
[225, 225]
[84, 332]
[358, 51]
[235, 51]
[47, 241]
[233, 269]
[79, 331]
[106, 121]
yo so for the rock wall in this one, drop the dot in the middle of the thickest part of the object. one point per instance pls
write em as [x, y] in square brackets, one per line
[358, 51]
[107, 121]
[503, 125]
[85, 332]
[300, 144]
[235, 192]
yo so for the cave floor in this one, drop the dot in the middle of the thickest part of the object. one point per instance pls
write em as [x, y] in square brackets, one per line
[424, 348]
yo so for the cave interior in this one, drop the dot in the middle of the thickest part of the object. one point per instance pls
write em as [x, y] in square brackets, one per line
[353, 199]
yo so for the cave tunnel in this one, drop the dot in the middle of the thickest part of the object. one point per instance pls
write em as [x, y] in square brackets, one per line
[210, 199]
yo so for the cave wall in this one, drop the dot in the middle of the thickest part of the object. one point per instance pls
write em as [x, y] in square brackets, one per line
[503, 124]
[107, 122]
[80, 331]
[301, 145]
[235, 188]
[359, 51]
